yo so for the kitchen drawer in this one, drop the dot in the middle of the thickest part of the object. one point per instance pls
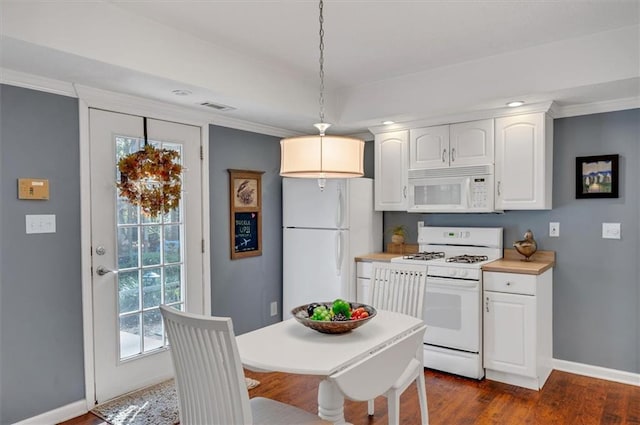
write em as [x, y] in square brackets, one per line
[510, 282]
[363, 269]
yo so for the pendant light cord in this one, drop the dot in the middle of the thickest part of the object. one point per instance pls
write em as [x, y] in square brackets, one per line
[321, 100]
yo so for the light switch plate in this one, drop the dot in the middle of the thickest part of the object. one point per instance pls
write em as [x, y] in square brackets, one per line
[611, 231]
[40, 223]
[554, 229]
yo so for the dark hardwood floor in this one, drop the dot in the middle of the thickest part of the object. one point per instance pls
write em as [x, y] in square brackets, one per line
[565, 399]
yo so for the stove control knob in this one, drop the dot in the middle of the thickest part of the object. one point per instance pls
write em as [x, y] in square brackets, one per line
[463, 273]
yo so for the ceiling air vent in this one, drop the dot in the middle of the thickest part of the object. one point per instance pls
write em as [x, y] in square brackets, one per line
[218, 106]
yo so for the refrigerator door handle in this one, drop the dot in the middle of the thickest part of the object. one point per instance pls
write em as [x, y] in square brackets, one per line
[338, 253]
[340, 208]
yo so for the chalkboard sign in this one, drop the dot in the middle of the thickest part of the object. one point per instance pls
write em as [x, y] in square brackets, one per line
[246, 230]
[245, 212]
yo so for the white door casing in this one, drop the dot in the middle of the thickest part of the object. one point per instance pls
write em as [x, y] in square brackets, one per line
[115, 371]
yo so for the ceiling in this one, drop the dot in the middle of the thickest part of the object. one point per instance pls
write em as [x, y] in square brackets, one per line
[400, 60]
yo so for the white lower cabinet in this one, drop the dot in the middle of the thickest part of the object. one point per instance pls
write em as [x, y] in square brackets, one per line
[518, 334]
[363, 278]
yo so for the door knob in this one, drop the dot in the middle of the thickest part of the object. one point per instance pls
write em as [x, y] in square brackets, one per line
[102, 270]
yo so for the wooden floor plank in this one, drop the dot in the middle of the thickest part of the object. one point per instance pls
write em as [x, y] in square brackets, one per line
[565, 399]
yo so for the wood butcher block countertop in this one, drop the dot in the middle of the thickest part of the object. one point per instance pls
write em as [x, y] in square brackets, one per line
[377, 256]
[393, 250]
[512, 263]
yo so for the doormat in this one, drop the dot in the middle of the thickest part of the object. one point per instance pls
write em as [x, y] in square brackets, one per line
[155, 405]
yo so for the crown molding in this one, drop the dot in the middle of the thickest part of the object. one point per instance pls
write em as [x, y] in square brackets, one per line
[547, 107]
[598, 107]
[35, 82]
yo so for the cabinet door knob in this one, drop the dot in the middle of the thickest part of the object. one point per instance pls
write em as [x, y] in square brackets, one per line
[453, 154]
[404, 192]
[499, 188]
[487, 304]
[444, 154]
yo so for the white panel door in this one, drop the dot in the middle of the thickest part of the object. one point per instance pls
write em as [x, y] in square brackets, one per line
[315, 267]
[149, 261]
[305, 205]
[510, 333]
[429, 147]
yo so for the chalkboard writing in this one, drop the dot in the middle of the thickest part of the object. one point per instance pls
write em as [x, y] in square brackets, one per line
[246, 231]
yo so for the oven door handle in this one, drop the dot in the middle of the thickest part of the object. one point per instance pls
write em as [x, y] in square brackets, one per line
[451, 285]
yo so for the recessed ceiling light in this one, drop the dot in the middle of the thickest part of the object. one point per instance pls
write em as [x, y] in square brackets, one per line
[181, 92]
[515, 103]
[388, 122]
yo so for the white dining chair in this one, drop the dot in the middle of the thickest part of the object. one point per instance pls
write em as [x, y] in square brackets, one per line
[377, 374]
[401, 288]
[210, 380]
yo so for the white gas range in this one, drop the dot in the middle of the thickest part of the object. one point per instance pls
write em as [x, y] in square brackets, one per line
[454, 257]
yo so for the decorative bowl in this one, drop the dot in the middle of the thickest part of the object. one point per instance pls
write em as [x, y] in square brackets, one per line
[327, 327]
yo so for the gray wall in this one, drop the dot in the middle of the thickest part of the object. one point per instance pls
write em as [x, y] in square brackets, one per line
[41, 359]
[244, 288]
[596, 296]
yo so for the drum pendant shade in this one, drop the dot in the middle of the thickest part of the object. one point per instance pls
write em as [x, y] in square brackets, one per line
[321, 157]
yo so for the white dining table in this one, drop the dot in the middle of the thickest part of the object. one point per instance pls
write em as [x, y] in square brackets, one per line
[290, 347]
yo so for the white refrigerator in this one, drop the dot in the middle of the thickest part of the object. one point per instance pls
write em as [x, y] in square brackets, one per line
[322, 233]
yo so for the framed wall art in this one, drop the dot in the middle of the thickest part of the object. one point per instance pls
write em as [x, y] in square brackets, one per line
[597, 176]
[245, 213]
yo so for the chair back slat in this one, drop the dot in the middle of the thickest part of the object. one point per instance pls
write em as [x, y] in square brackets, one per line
[209, 375]
[398, 287]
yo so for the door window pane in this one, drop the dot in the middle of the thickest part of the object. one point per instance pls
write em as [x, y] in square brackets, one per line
[172, 284]
[151, 287]
[127, 247]
[130, 336]
[129, 291]
[152, 324]
[150, 245]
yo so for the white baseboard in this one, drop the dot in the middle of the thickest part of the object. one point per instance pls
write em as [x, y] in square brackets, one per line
[597, 372]
[58, 415]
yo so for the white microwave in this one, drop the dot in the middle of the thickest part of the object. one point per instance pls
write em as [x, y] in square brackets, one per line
[452, 190]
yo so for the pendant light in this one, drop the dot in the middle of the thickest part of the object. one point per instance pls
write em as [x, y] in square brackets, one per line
[321, 157]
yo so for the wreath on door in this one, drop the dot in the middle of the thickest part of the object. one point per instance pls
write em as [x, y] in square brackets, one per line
[151, 179]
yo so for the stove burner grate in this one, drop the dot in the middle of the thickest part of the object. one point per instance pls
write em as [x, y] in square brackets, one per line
[424, 256]
[469, 259]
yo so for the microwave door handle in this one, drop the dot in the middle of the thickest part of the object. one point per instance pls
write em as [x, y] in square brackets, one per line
[468, 191]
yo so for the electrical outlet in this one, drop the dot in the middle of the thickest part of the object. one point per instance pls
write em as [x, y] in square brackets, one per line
[554, 230]
[611, 231]
[274, 308]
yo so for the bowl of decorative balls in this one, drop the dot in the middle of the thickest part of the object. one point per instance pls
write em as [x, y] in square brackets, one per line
[335, 317]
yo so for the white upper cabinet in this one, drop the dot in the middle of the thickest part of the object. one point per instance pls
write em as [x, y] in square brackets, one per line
[391, 177]
[524, 162]
[429, 147]
[471, 143]
[461, 144]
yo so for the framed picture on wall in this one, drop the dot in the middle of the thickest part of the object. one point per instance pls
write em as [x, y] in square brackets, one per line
[245, 213]
[597, 176]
